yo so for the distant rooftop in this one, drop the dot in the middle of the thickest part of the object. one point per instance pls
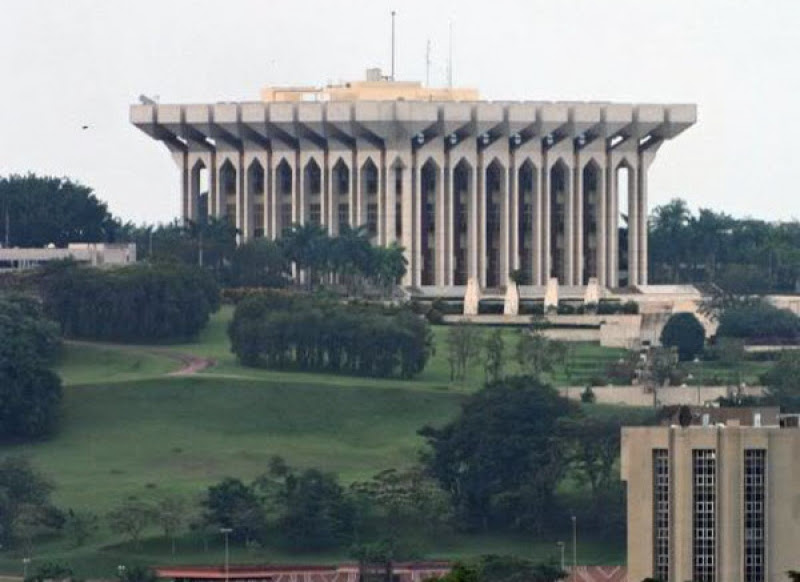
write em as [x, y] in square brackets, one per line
[708, 416]
[376, 87]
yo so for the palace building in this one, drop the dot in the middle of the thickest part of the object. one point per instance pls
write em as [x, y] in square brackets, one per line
[471, 189]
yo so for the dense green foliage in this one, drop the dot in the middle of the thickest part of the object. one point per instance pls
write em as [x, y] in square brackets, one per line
[783, 382]
[30, 393]
[24, 498]
[759, 322]
[136, 303]
[294, 331]
[684, 332]
[500, 460]
[739, 255]
[47, 210]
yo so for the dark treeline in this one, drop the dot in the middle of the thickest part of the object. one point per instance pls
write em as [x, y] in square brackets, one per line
[738, 255]
[36, 211]
[141, 302]
[283, 331]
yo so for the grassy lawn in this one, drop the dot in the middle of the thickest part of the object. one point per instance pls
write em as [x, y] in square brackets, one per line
[129, 430]
[82, 364]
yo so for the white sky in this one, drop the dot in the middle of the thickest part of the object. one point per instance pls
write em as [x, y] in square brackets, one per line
[65, 63]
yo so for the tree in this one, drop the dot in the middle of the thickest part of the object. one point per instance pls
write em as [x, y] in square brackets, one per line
[45, 210]
[783, 381]
[594, 449]
[135, 303]
[538, 355]
[232, 504]
[30, 393]
[170, 512]
[463, 346]
[794, 575]
[131, 518]
[684, 332]
[759, 322]
[21, 488]
[79, 526]
[317, 515]
[493, 359]
[500, 459]
[259, 263]
[52, 571]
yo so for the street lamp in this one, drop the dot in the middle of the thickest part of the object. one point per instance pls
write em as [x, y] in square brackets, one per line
[561, 547]
[121, 571]
[574, 544]
[226, 531]
[25, 562]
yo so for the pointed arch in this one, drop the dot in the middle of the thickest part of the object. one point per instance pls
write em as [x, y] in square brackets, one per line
[199, 191]
[428, 192]
[592, 183]
[495, 210]
[526, 213]
[559, 192]
[463, 237]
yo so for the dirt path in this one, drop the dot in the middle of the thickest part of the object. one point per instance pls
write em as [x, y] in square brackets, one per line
[190, 363]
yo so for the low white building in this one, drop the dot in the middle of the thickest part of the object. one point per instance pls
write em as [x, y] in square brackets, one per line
[95, 254]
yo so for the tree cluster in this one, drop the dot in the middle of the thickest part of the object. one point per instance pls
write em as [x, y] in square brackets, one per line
[284, 331]
[759, 322]
[136, 303]
[685, 333]
[48, 210]
[30, 392]
[493, 568]
[739, 255]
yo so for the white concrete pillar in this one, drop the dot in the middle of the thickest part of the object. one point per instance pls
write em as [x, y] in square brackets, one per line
[600, 235]
[514, 215]
[417, 220]
[481, 219]
[566, 276]
[243, 201]
[633, 226]
[441, 205]
[544, 221]
[612, 218]
[577, 226]
[408, 217]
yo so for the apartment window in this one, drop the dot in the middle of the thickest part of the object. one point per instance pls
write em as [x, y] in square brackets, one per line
[704, 465]
[755, 470]
[661, 514]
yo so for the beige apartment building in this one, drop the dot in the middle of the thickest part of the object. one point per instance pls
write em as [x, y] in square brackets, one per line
[471, 189]
[715, 500]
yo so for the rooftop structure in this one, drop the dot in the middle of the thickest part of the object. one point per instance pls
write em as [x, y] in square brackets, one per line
[95, 254]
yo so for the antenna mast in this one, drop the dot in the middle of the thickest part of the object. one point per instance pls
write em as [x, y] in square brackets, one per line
[428, 64]
[450, 58]
[393, 14]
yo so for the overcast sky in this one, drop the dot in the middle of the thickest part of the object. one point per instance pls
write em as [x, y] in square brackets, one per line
[68, 63]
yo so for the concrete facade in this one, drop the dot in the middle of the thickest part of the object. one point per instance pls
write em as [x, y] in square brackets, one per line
[471, 189]
[714, 503]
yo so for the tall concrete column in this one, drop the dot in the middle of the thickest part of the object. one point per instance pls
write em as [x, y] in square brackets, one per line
[442, 226]
[514, 233]
[268, 196]
[646, 158]
[473, 247]
[417, 219]
[602, 223]
[577, 226]
[325, 192]
[243, 202]
[633, 226]
[386, 202]
[537, 226]
[481, 218]
[612, 217]
[407, 218]
[181, 158]
[544, 221]
[569, 229]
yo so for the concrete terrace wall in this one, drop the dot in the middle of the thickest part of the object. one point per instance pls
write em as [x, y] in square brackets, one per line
[672, 395]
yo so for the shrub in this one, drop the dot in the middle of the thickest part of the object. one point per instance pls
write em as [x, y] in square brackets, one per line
[588, 396]
[136, 303]
[286, 331]
[760, 323]
[684, 332]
